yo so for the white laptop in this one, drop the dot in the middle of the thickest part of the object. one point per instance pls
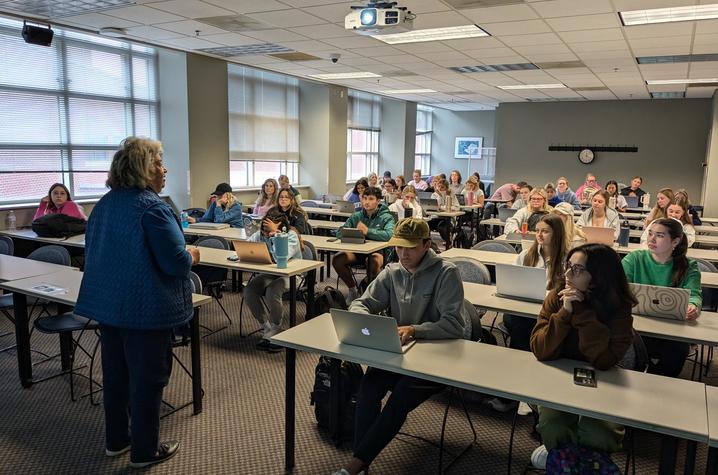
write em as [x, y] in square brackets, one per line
[369, 331]
[521, 282]
[505, 213]
[661, 302]
[209, 225]
[596, 235]
[345, 206]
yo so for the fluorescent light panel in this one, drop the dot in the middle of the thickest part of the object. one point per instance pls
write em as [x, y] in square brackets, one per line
[677, 58]
[432, 34]
[532, 86]
[407, 91]
[492, 68]
[667, 15]
[357, 75]
[668, 95]
[681, 81]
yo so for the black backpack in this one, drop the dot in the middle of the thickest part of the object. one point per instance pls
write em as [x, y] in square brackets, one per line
[58, 226]
[334, 397]
[327, 299]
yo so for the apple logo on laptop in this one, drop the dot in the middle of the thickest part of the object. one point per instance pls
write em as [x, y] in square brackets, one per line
[365, 331]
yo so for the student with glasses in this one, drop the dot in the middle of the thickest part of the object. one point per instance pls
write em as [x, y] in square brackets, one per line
[537, 205]
[288, 206]
[587, 317]
[599, 215]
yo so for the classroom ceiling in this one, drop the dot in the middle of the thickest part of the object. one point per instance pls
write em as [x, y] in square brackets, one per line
[579, 43]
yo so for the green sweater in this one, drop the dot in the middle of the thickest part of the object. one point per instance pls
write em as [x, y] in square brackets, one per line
[640, 268]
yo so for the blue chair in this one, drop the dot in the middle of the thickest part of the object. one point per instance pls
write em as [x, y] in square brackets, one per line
[212, 279]
[52, 254]
[7, 246]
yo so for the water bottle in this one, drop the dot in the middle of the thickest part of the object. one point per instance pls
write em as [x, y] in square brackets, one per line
[470, 198]
[612, 202]
[281, 249]
[184, 217]
[11, 221]
[623, 234]
[646, 200]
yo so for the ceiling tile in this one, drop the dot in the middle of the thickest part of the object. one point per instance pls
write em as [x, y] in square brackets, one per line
[307, 3]
[706, 27]
[679, 43]
[474, 43]
[483, 16]
[332, 13]
[190, 43]
[144, 15]
[287, 18]
[660, 30]
[517, 28]
[542, 49]
[585, 22]
[275, 35]
[582, 36]
[599, 46]
[190, 27]
[531, 40]
[664, 71]
[98, 20]
[353, 42]
[231, 39]
[491, 53]
[598, 95]
[398, 59]
[428, 47]
[376, 51]
[550, 57]
[308, 46]
[440, 20]
[191, 8]
[152, 33]
[248, 6]
[628, 5]
[700, 92]
[422, 6]
[560, 8]
[323, 31]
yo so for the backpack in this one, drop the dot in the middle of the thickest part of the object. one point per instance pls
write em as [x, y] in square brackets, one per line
[327, 299]
[340, 384]
[58, 226]
[580, 461]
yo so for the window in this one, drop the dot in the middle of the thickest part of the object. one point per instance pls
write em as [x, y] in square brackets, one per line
[363, 127]
[422, 148]
[65, 108]
[263, 126]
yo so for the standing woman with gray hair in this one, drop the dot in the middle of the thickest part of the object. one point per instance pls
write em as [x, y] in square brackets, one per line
[137, 286]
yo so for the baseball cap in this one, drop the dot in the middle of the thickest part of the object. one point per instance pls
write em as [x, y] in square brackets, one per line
[221, 189]
[410, 232]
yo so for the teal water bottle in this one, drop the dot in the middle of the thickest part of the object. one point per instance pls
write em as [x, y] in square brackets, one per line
[184, 217]
[281, 249]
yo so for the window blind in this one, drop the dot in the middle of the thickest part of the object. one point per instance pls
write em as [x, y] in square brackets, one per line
[363, 111]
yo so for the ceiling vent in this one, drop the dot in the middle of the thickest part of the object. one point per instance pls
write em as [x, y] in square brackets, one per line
[294, 56]
[677, 58]
[494, 68]
[668, 95]
[235, 23]
[260, 48]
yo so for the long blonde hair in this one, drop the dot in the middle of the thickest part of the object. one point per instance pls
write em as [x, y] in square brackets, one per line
[657, 211]
[541, 192]
[230, 199]
[132, 164]
[572, 231]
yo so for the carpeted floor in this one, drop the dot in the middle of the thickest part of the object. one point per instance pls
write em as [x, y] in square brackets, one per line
[241, 428]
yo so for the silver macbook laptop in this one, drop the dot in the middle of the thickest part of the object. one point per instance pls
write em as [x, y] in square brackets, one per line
[352, 236]
[505, 213]
[429, 204]
[631, 201]
[424, 194]
[369, 331]
[520, 282]
[596, 235]
[209, 225]
[661, 302]
[344, 206]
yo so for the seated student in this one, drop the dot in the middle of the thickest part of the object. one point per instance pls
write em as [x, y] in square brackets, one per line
[354, 194]
[665, 263]
[481, 183]
[599, 215]
[417, 182]
[455, 182]
[619, 201]
[634, 189]
[376, 223]
[682, 193]
[387, 176]
[566, 194]
[424, 293]
[400, 182]
[407, 200]
[388, 186]
[523, 200]
[271, 287]
[443, 195]
[285, 185]
[676, 210]
[506, 192]
[553, 200]
[586, 317]
[373, 180]
[589, 187]
[267, 197]
[537, 205]
[288, 206]
[224, 208]
[472, 186]
[663, 199]
[59, 201]
[574, 235]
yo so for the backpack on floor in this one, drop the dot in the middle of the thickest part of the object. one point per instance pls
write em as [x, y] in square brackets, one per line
[58, 226]
[327, 299]
[580, 461]
[334, 397]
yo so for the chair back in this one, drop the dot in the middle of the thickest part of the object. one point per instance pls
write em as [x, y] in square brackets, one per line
[636, 357]
[52, 254]
[471, 270]
[7, 246]
[211, 275]
[196, 283]
[309, 253]
[495, 246]
[710, 296]
[308, 229]
[308, 204]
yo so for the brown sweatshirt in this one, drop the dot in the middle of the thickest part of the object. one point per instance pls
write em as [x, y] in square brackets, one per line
[581, 335]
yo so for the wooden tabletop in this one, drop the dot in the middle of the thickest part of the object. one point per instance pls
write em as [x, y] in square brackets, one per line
[323, 224]
[72, 241]
[326, 212]
[14, 268]
[230, 234]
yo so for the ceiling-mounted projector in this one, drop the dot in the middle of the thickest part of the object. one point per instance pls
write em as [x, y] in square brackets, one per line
[379, 18]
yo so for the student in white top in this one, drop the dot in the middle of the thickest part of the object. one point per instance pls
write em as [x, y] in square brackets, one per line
[538, 203]
[678, 209]
[523, 199]
[599, 215]
[407, 200]
[373, 180]
[613, 195]
[573, 234]
[472, 186]
[417, 182]
[442, 193]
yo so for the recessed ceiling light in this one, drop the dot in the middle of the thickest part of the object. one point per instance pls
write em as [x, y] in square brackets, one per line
[432, 34]
[357, 75]
[668, 95]
[681, 81]
[532, 86]
[407, 91]
[666, 15]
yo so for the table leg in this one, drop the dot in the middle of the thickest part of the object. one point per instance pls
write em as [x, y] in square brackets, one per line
[196, 363]
[310, 283]
[22, 338]
[66, 343]
[669, 454]
[712, 463]
[329, 264]
[289, 397]
[690, 464]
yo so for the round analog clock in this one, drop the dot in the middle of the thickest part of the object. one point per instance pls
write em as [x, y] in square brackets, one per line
[586, 156]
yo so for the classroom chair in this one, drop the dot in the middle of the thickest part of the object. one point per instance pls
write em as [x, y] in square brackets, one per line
[7, 246]
[213, 278]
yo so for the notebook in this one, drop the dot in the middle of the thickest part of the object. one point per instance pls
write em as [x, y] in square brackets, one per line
[661, 302]
[209, 225]
[596, 235]
[252, 252]
[368, 331]
[520, 282]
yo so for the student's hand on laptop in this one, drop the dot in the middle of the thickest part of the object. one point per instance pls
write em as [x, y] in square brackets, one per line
[194, 252]
[692, 313]
[406, 334]
[362, 227]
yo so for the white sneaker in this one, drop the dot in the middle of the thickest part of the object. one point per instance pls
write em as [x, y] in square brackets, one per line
[502, 406]
[524, 409]
[539, 456]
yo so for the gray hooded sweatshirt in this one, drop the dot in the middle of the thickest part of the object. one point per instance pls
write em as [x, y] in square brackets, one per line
[431, 299]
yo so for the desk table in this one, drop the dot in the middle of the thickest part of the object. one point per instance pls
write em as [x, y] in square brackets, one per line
[326, 212]
[668, 406]
[230, 234]
[30, 235]
[712, 404]
[327, 246]
[14, 268]
[323, 224]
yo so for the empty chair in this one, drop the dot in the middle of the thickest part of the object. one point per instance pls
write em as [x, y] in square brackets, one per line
[7, 246]
[308, 204]
[495, 246]
[471, 270]
[213, 278]
[52, 254]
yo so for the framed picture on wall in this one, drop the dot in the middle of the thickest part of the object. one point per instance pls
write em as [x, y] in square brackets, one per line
[468, 147]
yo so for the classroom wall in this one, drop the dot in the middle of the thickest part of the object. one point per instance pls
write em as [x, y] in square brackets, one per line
[447, 125]
[670, 136]
[710, 184]
[397, 137]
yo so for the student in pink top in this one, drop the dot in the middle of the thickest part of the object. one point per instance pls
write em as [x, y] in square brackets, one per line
[590, 186]
[59, 201]
[417, 182]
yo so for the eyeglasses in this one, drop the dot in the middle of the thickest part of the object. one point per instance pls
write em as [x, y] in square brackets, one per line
[576, 269]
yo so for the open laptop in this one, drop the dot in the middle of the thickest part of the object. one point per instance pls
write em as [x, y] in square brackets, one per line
[344, 206]
[631, 201]
[252, 252]
[352, 236]
[390, 197]
[368, 331]
[462, 199]
[661, 302]
[596, 235]
[429, 204]
[505, 213]
[209, 225]
[520, 282]
[423, 194]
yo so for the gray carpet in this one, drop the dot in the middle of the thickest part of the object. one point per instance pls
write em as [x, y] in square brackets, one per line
[241, 428]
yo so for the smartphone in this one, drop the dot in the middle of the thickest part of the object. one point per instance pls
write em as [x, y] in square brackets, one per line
[334, 239]
[233, 258]
[584, 377]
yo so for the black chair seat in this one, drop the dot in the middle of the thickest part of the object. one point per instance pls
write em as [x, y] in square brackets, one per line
[67, 322]
[6, 301]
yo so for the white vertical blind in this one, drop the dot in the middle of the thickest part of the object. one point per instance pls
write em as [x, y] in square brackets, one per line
[363, 111]
[65, 108]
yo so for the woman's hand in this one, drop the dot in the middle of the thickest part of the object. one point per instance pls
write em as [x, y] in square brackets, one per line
[190, 219]
[270, 226]
[692, 313]
[570, 295]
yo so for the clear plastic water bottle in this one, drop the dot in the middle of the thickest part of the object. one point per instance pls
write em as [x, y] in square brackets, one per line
[624, 233]
[612, 202]
[11, 220]
[184, 218]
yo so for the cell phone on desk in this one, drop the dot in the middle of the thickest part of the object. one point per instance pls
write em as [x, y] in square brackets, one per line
[334, 239]
[233, 258]
[584, 377]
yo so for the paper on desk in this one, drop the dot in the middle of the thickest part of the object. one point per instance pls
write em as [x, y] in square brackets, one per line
[48, 289]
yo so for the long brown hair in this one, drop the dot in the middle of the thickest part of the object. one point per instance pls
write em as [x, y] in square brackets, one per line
[680, 260]
[283, 222]
[683, 203]
[50, 203]
[657, 211]
[558, 249]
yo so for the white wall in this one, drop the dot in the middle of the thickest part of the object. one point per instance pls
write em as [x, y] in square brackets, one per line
[447, 125]
[710, 188]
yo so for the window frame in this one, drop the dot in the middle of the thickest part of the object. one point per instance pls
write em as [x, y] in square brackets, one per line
[371, 157]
